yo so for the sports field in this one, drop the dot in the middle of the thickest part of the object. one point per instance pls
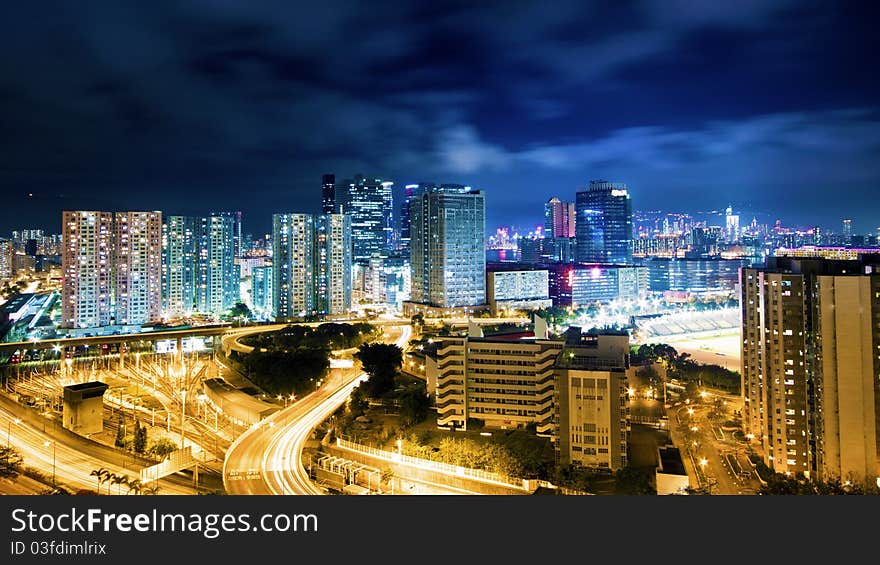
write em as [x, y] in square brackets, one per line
[721, 350]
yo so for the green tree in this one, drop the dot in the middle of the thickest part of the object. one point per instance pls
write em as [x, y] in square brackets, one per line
[118, 480]
[140, 437]
[358, 404]
[135, 485]
[120, 435]
[414, 404]
[630, 480]
[240, 311]
[10, 462]
[102, 475]
[380, 361]
[162, 447]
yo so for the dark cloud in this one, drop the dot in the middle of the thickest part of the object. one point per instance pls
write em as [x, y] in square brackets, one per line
[181, 106]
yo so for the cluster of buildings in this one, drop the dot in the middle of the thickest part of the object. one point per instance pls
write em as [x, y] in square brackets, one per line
[572, 389]
[28, 252]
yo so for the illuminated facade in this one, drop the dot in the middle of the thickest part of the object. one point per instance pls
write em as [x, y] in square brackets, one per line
[512, 290]
[138, 267]
[810, 363]
[591, 414]
[580, 285]
[603, 225]
[559, 219]
[293, 287]
[200, 269]
[333, 256]
[505, 383]
[448, 257]
[369, 202]
[87, 262]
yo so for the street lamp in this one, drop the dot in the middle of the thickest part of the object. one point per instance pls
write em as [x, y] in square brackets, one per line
[16, 421]
[9, 437]
[182, 415]
[46, 444]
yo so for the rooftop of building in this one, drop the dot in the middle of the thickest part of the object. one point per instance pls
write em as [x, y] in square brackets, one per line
[15, 303]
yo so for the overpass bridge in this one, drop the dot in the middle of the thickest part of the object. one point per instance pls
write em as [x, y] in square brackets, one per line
[153, 336]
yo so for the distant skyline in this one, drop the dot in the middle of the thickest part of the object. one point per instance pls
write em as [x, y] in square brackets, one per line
[203, 106]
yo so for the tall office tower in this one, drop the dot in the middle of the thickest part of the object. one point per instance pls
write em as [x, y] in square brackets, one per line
[731, 222]
[293, 258]
[138, 267]
[409, 192]
[810, 335]
[448, 258]
[604, 223]
[87, 263]
[218, 283]
[262, 299]
[592, 420]
[7, 251]
[559, 218]
[179, 265]
[328, 195]
[369, 203]
[847, 231]
[333, 250]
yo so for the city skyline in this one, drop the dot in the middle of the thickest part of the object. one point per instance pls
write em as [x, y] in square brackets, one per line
[166, 108]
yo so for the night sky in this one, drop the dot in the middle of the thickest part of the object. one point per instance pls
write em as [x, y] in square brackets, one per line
[207, 105]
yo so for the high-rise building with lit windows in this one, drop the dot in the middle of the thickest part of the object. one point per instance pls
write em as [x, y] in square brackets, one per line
[200, 270]
[87, 263]
[293, 261]
[369, 202]
[138, 267]
[410, 191]
[180, 245]
[603, 225]
[112, 264]
[559, 219]
[810, 360]
[333, 256]
[217, 280]
[448, 258]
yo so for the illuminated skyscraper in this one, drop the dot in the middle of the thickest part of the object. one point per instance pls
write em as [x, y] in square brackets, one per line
[731, 222]
[409, 192]
[809, 365]
[217, 280]
[333, 255]
[87, 262]
[448, 258]
[180, 255]
[369, 203]
[559, 218]
[138, 267]
[293, 261]
[847, 231]
[604, 224]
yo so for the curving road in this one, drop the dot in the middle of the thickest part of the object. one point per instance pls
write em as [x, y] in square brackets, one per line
[72, 464]
[267, 459]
